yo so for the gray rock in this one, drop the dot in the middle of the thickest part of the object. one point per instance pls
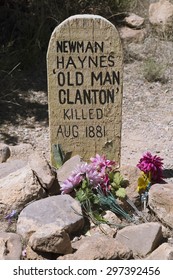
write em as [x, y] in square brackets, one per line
[21, 151]
[10, 246]
[51, 239]
[33, 255]
[11, 166]
[4, 152]
[160, 201]
[131, 174]
[129, 35]
[99, 247]
[141, 239]
[163, 252]
[42, 169]
[62, 211]
[135, 21]
[112, 218]
[66, 169]
[18, 189]
[101, 229]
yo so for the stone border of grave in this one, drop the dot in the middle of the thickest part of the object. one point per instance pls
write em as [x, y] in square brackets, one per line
[43, 224]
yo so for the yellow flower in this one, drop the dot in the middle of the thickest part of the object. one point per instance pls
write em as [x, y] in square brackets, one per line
[143, 182]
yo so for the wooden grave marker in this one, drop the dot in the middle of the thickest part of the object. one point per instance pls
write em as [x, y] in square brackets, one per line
[85, 69]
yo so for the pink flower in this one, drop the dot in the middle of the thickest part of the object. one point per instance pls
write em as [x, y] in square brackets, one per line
[95, 172]
[88, 171]
[68, 185]
[151, 164]
[105, 185]
[101, 163]
[81, 172]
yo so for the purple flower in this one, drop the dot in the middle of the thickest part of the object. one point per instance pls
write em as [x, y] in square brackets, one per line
[10, 216]
[151, 164]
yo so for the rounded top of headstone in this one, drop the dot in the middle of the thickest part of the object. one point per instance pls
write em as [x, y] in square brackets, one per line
[86, 16]
[78, 21]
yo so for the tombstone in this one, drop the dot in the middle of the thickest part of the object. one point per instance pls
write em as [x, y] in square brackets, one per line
[84, 65]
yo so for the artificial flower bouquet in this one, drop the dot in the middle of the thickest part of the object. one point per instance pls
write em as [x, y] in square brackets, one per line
[98, 185]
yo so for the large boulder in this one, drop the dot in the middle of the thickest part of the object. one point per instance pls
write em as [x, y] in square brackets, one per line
[18, 189]
[141, 239]
[9, 167]
[161, 17]
[99, 247]
[21, 151]
[51, 239]
[160, 201]
[54, 213]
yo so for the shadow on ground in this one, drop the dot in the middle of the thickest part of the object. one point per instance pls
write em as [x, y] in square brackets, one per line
[17, 101]
[23, 96]
[168, 173]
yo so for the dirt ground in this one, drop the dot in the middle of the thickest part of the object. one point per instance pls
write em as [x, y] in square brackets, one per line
[147, 118]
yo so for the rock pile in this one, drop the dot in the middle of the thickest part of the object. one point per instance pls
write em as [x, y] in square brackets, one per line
[159, 20]
[48, 225]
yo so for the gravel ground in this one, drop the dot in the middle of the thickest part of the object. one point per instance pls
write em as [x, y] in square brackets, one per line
[148, 107]
[147, 122]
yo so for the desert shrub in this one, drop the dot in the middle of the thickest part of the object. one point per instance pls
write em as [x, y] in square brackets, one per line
[154, 71]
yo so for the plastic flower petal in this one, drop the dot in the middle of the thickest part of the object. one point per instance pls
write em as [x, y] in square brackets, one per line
[101, 163]
[68, 185]
[90, 172]
[151, 164]
[143, 182]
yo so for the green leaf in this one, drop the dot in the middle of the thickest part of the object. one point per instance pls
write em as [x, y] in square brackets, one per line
[95, 199]
[58, 155]
[99, 217]
[117, 180]
[121, 193]
[81, 195]
[85, 184]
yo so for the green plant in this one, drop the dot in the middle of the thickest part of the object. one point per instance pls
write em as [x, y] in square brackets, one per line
[154, 71]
